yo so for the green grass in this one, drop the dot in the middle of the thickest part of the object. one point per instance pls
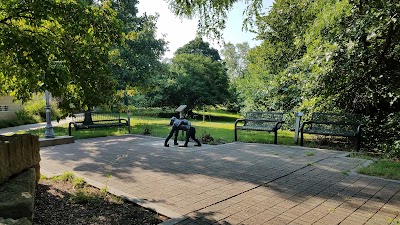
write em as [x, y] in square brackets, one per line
[82, 134]
[218, 130]
[82, 196]
[363, 155]
[309, 153]
[66, 176]
[221, 131]
[217, 113]
[383, 168]
[346, 172]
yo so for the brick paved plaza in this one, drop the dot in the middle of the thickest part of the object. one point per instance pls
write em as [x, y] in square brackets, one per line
[236, 183]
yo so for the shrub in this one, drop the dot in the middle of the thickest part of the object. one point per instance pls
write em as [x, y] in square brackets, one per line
[391, 150]
[66, 176]
[37, 108]
[82, 196]
[208, 139]
[27, 118]
[382, 135]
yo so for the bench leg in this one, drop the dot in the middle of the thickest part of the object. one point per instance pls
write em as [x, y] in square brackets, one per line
[276, 136]
[69, 130]
[235, 134]
[301, 138]
[358, 143]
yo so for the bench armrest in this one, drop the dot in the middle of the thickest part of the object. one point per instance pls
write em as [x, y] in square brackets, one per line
[277, 124]
[70, 127]
[239, 120]
[125, 121]
[305, 123]
[359, 129]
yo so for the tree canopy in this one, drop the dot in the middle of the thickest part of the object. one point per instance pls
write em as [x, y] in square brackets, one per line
[136, 59]
[194, 77]
[193, 80]
[235, 58]
[60, 46]
[320, 55]
[80, 51]
[213, 13]
[199, 47]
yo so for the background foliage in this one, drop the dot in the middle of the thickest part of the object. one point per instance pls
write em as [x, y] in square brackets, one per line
[322, 55]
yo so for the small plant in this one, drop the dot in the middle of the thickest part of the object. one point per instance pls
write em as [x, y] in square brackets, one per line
[104, 191]
[82, 196]
[345, 172]
[206, 138]
[391, 151]
[79, 182]
[42, 177]
[146, 130]
[66, 176]
[310, 153]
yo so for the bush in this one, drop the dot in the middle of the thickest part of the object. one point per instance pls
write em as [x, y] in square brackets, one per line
[382, 135]
[153, 112]
[208, 139]
[391, 151]
[27, 118]
[6, 123]
[37, 107]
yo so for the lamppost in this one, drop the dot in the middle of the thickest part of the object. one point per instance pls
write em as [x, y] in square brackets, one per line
[49, 133]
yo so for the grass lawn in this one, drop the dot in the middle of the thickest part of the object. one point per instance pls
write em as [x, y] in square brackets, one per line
[383, 168]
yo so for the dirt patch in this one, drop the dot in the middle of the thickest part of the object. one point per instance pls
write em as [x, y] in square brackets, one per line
[59, 202]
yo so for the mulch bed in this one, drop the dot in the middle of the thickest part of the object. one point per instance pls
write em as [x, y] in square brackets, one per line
[58, 202]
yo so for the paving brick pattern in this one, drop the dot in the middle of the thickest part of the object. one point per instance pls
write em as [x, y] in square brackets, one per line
[236, 183]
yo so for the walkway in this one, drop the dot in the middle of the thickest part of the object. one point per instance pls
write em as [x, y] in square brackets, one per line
[11, 130]
[237, 183]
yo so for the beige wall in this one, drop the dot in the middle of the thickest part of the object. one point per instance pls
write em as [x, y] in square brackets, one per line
[13, 107]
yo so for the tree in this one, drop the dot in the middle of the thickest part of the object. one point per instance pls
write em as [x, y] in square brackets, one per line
[60, 46]
[234, 58]
[321, 55]
[199, 47]
[213, 13]
[196, 77]
[137, 58]
[194, 80]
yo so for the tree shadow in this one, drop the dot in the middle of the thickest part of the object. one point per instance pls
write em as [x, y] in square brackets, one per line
[284, 177]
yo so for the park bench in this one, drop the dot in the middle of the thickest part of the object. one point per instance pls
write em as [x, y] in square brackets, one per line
[333, 124]
[99, 120]
[261, 121]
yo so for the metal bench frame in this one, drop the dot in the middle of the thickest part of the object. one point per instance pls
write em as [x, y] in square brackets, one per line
[332, 120]
[114, 121]
[266, 121]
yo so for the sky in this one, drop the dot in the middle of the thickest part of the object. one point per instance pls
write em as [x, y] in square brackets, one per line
[179, 32]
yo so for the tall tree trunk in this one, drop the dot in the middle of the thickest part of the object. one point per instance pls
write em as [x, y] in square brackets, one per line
[88, 118]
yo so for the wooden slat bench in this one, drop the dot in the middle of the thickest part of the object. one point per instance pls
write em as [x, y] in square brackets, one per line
[333, 124]
[261, 121]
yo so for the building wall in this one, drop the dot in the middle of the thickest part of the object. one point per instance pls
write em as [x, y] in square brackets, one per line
[8, 108]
